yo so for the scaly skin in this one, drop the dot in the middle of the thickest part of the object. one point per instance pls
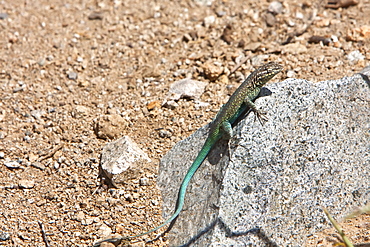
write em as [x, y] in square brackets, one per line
[239, 102]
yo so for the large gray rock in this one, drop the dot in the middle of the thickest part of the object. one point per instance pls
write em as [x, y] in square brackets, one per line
[270, 188]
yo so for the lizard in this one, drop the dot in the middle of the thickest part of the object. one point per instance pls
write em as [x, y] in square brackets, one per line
[221, 127]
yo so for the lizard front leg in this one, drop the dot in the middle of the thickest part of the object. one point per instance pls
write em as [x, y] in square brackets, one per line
[257, 113]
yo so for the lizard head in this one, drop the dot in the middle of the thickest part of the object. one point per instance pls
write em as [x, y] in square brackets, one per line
[265, 72]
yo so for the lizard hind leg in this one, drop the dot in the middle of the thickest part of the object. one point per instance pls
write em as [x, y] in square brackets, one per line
[228, 133]
[227, 130]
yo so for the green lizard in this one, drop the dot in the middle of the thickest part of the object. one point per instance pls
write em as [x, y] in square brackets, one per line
[241, 101]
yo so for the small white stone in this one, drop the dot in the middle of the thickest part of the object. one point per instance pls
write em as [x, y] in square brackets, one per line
[209, 20]
[12, 164]
[26, 184]
[143, 181]
[290, 74]
[275, 7]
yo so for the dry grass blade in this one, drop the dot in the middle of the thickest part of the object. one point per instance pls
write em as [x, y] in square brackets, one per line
[339, 229]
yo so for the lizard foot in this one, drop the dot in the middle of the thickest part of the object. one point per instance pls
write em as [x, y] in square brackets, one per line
[261, 116]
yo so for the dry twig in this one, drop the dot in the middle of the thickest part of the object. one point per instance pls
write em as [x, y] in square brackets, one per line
[43, 234]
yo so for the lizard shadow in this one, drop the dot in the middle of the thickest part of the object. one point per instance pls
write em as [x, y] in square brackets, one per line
[230, 234]
[365, 78]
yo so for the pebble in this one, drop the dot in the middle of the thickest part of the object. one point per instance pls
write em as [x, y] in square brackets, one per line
[170, 104]
[212, 71]
[104, 230]
[275, 8]
[37, 114]
[199, 104]
[299, 15]
[84, 83]
[61, 159]
[253, 46]
[355, 56]
[4, 236]
[12, 165]
[18, 89]
[107, 244]
[26, 138]
[96, 16]
[3, 16]
[259, 59]
[109, 126]
[209, 20]
[2, 155]
[41, 202]
[204, 2]
[294, 48]
[187, 88]
[41, 62]
[154, 104]
[223, 79]
[72, 75]
[128, 197]
[136, 196]
[38, 165]
[144, 181]
[323, 22]
[26, 184]
[270, 20]
[80, 216]
[317, 39]
[56, 165]
[81, 111]
[50, 58]
[120, 156]
[220, 13]
[290, 74]
[88, 221]
[227, 35]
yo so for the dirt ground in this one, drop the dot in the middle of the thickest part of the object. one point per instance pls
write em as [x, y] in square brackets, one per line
[67, 65]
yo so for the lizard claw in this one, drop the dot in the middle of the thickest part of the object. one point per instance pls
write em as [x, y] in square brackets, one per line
[261, 116]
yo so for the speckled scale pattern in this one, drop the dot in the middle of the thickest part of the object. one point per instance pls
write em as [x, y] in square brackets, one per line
[246, 92]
